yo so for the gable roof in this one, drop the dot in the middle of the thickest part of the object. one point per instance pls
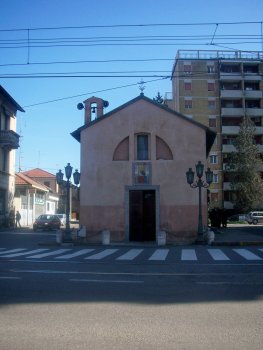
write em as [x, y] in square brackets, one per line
[10, 99]
[210, 135]
[22, 179]
[38, 173]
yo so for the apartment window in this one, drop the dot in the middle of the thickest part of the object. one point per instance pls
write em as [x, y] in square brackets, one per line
[213, 159]
[188, 104]
[214, 196]
[188, 85]
[210, 69]
[229, 196]
[256, 121]
[252, 104]
[210, 86]
[212, 122]
[40, 198]
[211, 104]
[229, 140]
[142, 147]
[187, 68]
[215, 178]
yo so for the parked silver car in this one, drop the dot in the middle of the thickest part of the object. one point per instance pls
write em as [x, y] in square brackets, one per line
[255, 217]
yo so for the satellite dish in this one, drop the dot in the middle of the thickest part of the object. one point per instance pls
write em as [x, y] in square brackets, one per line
[105, 104]
[80, 106]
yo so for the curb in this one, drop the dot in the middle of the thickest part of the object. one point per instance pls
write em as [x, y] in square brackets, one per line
[214, 244]
[238, 243]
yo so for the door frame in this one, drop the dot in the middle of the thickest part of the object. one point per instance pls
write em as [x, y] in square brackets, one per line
[127, 207]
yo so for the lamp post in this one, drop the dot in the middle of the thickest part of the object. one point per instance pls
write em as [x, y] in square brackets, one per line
[76, 177]
[199, 183]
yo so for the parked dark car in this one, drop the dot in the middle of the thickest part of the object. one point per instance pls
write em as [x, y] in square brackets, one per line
[47, 222]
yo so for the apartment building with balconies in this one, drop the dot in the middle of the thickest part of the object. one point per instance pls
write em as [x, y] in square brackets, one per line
[9, 142]
[219, 88]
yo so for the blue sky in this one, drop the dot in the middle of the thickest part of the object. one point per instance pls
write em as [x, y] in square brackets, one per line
[45, 127]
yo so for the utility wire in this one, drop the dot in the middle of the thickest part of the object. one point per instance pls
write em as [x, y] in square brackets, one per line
[131, 25]
[130, 38]
[100, 74]
[22, 46]
[92, 92]
[88, 61]
[211, 43]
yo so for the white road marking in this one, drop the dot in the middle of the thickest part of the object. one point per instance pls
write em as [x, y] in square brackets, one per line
[9, 278]
[159, 254]
[247, 254]
[78, 253]
[232, 283]
[217, 254]
[12, 251]
[188, 254]
[43, 255]
[25, 253]
[130, 255]
[103, 281]
[102, 254]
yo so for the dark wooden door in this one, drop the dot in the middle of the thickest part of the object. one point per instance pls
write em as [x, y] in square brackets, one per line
[142, 220]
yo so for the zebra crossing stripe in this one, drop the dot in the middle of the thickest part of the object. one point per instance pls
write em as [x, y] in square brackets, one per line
[12, 251]
[102, 254]
[43, 255]
[78, 253]
[247, 254]
[188, 254]
[217, 254]
[130, 255]
[159, 254]
[24, 253]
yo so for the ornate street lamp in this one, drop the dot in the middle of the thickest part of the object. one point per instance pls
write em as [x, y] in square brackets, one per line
[199, 183]
[76, 177]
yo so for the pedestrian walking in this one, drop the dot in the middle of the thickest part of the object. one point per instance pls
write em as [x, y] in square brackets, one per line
[18, 218]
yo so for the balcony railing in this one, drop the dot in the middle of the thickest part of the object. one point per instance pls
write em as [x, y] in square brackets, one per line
[253, 93]
[9, 139]
[231, 93]
[239, 112]
[222, 54]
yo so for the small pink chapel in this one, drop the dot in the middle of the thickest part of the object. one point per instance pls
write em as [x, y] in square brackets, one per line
[133, 171]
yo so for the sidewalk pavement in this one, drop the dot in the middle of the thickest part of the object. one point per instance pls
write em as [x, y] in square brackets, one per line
[233, 235]
[236, 234]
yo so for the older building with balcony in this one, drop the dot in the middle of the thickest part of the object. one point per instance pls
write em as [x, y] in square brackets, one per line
[218, 89]
[9, 142]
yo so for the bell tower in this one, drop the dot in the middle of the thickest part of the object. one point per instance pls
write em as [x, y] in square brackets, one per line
[93, 108]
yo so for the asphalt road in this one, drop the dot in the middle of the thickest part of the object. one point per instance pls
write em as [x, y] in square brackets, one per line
[139, 304]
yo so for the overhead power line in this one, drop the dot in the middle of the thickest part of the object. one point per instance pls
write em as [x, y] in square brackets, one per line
[131, 25]
[88, 61]
[93, 92]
